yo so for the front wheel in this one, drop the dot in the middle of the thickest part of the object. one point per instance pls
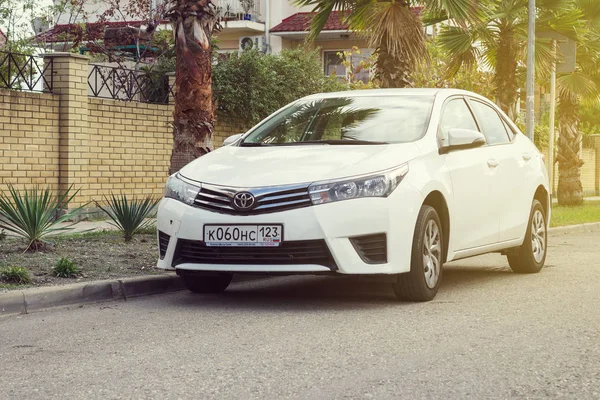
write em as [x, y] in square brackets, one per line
[423, 280]
[204, 283]
[529, 258]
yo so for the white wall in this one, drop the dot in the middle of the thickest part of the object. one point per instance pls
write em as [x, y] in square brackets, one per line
[94, 8]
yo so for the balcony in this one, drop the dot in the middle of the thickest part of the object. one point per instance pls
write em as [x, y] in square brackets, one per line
[239, 15]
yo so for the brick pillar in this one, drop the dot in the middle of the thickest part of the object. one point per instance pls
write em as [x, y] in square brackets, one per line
[69, 77]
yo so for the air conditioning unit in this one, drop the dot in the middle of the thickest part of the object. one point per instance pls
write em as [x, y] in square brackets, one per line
[40, 25]
[253, 42]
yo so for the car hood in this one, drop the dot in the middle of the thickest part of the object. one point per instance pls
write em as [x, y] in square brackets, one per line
[269, 166]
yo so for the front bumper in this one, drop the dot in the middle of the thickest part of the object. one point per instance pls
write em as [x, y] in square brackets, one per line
[333, 225]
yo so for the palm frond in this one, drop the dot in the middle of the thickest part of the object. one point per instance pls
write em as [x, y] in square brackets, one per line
[461, 12]
[576, 86]
[459, 45]
[391, 25]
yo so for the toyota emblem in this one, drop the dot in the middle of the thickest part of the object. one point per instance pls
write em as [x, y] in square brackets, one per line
[244, 201]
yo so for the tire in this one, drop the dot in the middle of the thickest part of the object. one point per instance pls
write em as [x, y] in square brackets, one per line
[529, 258]
[203, 283]
[423, 280]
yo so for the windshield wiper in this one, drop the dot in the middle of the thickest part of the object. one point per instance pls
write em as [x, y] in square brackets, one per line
[335, 141]
[250, 144]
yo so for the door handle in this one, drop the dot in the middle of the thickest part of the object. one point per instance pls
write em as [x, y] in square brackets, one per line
[492, 163]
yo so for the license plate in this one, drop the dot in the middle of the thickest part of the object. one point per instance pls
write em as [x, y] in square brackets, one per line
[243, 235]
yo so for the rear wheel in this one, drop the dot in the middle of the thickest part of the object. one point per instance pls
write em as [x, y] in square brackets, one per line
[530, 256]
[423, 280]
[204, 283]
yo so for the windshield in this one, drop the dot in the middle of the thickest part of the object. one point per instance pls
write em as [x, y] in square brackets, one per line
[347, 120]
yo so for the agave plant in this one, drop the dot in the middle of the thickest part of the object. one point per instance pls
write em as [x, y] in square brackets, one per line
[129, 216]
[33, 214]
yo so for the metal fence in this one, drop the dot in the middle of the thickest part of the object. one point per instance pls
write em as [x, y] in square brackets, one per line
[25, 72]
[128, 85]
[234, 10]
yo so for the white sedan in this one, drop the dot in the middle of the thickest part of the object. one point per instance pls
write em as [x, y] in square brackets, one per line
[394, 182]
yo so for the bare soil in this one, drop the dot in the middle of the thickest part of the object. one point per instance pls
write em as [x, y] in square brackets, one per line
[99, 256]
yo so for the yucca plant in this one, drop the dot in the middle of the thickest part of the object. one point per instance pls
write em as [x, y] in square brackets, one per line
[33, 214]
[129, 216]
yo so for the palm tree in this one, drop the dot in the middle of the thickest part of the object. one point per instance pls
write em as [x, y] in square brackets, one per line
[583, 83]
[499, 40]
[393, 28]
[194, 23]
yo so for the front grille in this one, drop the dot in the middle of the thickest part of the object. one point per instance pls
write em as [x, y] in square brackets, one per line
[163, 243]
[288, 253]
[267, 200]
[371, 248]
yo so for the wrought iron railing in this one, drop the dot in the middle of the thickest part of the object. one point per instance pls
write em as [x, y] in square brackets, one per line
[236, 10]
[25, 72]
[128, 85]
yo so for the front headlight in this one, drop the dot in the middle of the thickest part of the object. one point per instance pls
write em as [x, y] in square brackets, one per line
[181, 189]
[377, 185]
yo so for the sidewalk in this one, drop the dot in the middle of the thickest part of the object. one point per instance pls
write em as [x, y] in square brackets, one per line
[84, 226]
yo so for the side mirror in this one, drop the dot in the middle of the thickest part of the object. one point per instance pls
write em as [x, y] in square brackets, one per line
[232, 139]
[464, 139]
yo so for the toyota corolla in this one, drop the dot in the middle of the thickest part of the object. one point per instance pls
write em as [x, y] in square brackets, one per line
[394, 182]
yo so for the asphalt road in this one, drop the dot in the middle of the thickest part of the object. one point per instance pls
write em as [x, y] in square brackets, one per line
[488, 334]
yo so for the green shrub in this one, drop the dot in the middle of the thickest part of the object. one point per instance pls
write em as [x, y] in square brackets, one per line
[129, 216]
[17, 275]
[33, 214]
[250, 86]
[65, 268]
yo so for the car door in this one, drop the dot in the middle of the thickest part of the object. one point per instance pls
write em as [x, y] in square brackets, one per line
[510, 171]
[474, 218]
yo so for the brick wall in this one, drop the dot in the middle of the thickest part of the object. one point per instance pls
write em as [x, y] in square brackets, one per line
[129, 148]
[29, 139]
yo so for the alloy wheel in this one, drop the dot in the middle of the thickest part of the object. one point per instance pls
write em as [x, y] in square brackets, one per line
[432, 254]
[538, 236]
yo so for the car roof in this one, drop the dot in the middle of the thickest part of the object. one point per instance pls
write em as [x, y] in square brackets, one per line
[443, 92]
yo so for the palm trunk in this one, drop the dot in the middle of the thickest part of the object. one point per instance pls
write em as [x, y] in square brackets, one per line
[505, 78]
[570, 191]
[194, 23]
[392, 71]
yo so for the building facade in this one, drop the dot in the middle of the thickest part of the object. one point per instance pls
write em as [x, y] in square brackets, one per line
[270, 25]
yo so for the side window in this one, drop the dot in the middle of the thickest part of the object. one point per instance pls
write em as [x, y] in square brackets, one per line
[491, 124]
[456, 114]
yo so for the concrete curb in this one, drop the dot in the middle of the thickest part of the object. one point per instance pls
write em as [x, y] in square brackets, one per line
[582, 228]
[24, 301]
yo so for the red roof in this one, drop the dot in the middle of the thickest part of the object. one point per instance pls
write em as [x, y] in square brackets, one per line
[300, 22]
[77, 33]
